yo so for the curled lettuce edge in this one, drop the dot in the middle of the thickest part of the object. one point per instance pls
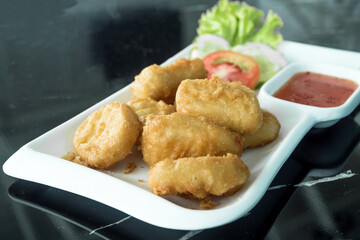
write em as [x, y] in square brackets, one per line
[238, 23]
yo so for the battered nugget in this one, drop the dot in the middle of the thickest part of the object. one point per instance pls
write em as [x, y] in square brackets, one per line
[148, 106]
[227, 103]
[161, 83]
[268, 132]
[107, 135]
[182, 135]
[198, 177]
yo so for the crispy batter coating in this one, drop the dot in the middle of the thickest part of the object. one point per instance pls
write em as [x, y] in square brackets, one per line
[161, 83]
[72, 157]
[183, 135]
[207, 203]
[107, 135]
[230, 104]
[268, 132]
[148, 106]
[198, 177]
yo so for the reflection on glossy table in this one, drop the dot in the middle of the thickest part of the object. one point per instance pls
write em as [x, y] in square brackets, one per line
[59, 58]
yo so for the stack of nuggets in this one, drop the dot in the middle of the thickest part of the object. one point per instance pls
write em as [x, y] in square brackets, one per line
[108, 135]
[192, 130]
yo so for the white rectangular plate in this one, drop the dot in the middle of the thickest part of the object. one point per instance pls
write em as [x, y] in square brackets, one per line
[40, 161]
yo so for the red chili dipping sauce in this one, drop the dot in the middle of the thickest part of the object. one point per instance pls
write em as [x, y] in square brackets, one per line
[316, 90]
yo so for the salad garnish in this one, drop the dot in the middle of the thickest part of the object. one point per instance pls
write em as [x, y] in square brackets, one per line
[239, 27]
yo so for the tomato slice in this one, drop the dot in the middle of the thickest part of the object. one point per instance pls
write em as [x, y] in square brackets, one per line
[233, 66]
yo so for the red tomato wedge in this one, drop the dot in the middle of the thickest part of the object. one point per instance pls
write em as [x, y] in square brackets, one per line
[233, 66]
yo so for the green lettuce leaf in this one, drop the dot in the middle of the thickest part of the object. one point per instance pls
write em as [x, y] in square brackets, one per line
[220, 20]
[240, 23]
[249, 19]
[267, 34]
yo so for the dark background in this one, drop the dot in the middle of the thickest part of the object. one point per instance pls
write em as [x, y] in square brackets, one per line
[58, 58]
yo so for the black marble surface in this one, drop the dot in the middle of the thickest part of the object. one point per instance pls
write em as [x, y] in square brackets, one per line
[58, 58]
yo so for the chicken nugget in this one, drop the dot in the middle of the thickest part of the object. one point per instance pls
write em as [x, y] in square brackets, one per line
[107, 135]
[161, 83]
[268, 132]
[148, 106]
[227, 103]
[183, 135]
[198, 177]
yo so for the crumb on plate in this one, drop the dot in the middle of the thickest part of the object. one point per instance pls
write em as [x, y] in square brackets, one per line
[207, 203]
[73, 157]
[131, 166]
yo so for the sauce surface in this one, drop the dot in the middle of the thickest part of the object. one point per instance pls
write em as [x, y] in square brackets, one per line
[316, 90]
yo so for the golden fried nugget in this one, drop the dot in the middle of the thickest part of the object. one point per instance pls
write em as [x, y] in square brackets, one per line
[198, 177]
[268, 132]
[148, 106]
[160, 83]
[183, 135]
[107, 135]
[230, 104]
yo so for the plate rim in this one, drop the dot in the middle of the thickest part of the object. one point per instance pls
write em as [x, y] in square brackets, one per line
[195, 219]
